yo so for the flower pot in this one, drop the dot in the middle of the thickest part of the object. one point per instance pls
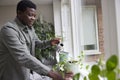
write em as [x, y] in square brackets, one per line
[72, 67]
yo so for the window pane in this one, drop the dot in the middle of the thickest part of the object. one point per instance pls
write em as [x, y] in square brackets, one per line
[89, 28]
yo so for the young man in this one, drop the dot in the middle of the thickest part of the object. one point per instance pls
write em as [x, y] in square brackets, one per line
[17, 43]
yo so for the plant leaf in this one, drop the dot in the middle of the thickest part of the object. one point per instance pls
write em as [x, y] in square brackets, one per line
[93, 77]
[103, 73]
[112, 63]
[111, 75]
[95, 69]
[76, 76]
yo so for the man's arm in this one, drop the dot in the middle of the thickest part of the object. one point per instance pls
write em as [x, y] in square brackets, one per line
[45, 43]
[20, 53]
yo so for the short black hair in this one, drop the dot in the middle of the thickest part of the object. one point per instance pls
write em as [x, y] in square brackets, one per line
[24, 4]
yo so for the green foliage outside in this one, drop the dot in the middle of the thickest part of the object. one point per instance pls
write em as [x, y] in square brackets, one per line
[44, 31]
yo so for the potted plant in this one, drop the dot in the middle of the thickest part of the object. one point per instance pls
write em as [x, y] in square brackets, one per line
[101, 71]
[69, 64]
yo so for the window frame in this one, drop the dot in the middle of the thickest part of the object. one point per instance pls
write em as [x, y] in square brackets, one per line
[93, 52]
[72, 37]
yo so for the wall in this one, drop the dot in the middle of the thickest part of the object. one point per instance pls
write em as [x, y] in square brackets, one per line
[110, 27]
[6, 14]
[9, 12]
[117, 6]
[46, 11]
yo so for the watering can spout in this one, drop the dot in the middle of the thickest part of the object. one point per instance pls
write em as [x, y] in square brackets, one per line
[61, 54]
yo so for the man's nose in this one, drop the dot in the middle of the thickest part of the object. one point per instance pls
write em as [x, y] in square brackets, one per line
[33, 18]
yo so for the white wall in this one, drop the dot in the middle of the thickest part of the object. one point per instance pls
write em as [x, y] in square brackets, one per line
[6, 14]
[117, 6]
[110, 27]
[9, 13]
[46, 11]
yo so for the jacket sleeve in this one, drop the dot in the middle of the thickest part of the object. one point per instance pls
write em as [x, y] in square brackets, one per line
[20, 53]
[41, 44]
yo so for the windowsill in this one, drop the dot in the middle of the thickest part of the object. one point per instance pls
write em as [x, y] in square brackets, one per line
[91, 52]
[92, 55]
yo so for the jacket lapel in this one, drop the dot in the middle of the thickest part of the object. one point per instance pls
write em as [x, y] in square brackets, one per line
[26, 36]
[23, 29]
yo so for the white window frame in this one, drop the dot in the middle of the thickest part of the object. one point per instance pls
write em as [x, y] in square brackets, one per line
[76, 13]
[92, 52]
[72, 35]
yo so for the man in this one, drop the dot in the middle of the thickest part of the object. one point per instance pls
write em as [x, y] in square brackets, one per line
[17, 43]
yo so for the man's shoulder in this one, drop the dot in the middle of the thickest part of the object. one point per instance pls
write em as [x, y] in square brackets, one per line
[10, 24]
[7, 24]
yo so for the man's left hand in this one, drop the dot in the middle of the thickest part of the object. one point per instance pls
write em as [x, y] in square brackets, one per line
[55, 41]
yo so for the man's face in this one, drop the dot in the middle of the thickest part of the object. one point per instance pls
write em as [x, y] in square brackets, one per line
[28, 17]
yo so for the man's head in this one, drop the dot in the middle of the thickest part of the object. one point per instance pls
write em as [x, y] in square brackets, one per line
[26, 12]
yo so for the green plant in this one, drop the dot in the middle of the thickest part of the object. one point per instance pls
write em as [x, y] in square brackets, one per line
[109, 70]
[106, 71]
[44, 31]
[102, 70]
[70, 65]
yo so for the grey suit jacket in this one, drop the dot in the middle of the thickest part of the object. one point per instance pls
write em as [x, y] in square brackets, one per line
[17, 43]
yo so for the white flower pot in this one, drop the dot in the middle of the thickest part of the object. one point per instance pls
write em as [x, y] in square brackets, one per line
[72, 67]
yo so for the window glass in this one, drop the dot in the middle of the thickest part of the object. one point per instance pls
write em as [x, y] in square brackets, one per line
[89, 28]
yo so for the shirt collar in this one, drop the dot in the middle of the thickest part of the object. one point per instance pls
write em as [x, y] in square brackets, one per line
[20, 25]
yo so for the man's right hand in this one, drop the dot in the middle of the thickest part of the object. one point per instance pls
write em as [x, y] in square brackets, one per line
[55, 75]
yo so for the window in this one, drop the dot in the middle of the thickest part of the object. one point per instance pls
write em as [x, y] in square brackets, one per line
[89, 38]
[78, 26]
[84, 28]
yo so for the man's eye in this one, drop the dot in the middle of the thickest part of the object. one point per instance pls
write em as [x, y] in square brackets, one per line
[31, 15]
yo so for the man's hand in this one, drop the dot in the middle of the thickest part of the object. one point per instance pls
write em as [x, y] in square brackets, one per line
[55, 41]
[55, 75]
[69, 76]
